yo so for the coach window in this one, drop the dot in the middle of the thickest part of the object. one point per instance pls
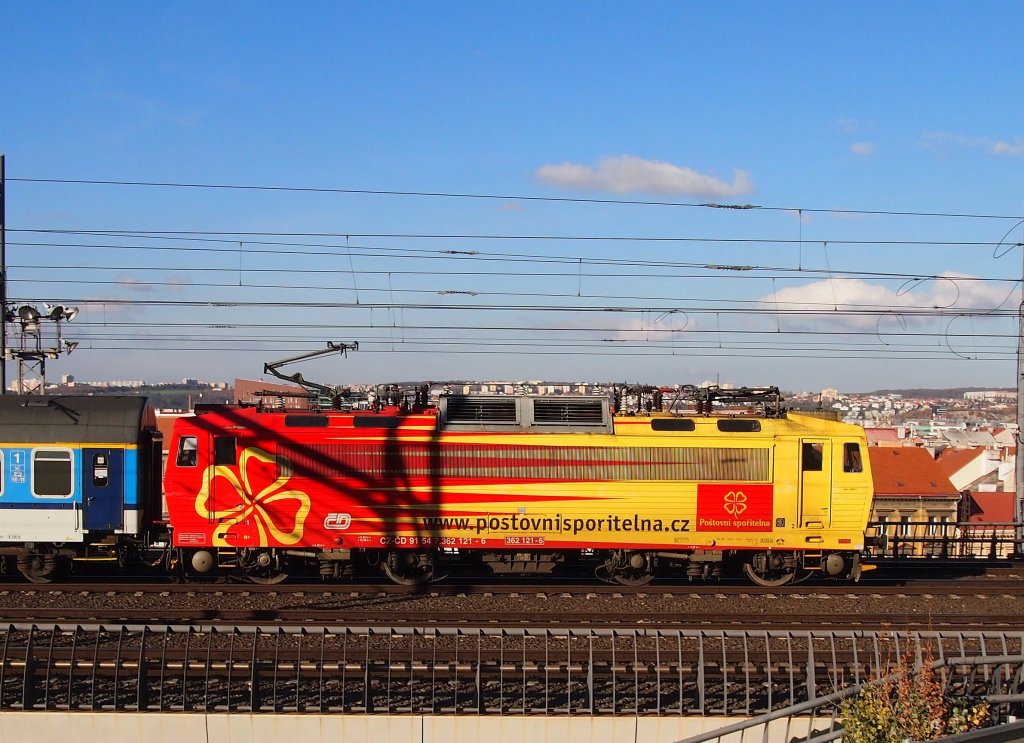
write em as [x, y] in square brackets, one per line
[812, 458]
[3, 473]
[187, 452]
[52, 473]
[224, 450]
[851, 458]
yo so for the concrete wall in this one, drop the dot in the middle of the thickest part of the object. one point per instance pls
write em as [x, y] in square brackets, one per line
[154, 727]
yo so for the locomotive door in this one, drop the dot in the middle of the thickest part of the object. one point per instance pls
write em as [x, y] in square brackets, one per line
[815, 483]
[222, 494]
[102, 489]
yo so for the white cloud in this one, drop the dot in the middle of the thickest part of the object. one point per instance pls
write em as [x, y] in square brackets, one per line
[630, 174]
[862, 148]
[1005, 148]
[834, 298]
[942, 140]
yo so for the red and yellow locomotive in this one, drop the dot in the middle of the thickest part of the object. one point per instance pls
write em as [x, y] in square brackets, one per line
[520, 484]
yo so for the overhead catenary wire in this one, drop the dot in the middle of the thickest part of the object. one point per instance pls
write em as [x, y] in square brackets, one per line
[247, 284]
[505, 197]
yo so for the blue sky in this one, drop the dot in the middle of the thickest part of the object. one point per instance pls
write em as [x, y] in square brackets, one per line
[835, 110]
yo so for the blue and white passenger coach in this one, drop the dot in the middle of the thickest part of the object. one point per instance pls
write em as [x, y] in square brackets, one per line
[79, 480]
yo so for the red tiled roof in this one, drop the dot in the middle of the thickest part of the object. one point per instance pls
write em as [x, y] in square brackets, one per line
[908, 471]
[952, 461]
[990, 508]
[881, 434]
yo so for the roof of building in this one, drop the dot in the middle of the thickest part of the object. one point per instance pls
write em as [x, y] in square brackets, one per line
[881, 434]
[968, 438]
[952, 461]
[989, 508]
[165, 422]
[1004, 436]
[246, 391]
[909, 472]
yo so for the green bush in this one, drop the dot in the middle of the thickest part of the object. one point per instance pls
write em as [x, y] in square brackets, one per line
[909, 705]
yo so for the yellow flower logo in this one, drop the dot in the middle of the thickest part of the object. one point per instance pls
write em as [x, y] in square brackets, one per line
[735, 502]
[238, 502]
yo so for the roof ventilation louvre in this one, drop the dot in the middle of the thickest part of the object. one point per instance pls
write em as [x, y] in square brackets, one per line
[480, 409]
[569, 411]
[525, 413]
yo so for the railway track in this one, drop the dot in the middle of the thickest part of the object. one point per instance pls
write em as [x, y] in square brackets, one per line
[1009, 581]
[993, 601]
[224, 618]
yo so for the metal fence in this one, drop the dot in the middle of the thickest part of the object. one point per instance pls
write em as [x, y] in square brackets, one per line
[962, 542]
[479, 671]
[999, 679]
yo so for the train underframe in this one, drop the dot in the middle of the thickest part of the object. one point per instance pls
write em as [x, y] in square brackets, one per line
[628, 567]
[45, 562]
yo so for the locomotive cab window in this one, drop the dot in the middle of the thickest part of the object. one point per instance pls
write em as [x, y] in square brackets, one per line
[852, 461]
[100, 470]
[224, 450]
[52, 473]
[188, 455]
[812, 460]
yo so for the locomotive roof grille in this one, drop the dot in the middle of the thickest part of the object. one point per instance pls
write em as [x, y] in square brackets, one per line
[490, 410]
[522, 412]
[568, 411]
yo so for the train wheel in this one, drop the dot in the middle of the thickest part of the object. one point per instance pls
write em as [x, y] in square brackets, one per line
[629, 568]
[770, 569]
[409, 568]
[38, 567]
[261, 566]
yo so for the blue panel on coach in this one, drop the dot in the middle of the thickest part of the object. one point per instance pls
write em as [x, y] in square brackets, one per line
[103, 488]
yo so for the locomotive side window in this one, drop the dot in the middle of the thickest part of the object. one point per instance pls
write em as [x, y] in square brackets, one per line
[52, 473]
[188, 455]
[852, 461]
[673, 424]
[224, 450]
[812, 456]
[738, 425]
[100, 474]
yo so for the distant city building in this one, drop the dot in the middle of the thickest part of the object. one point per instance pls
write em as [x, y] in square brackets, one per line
[990, 395]
[829, 395]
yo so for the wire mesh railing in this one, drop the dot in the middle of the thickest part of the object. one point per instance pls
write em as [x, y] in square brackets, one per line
[458, 670]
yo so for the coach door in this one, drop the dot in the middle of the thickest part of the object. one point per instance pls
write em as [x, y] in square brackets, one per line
[102, 489]
[816, 483]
